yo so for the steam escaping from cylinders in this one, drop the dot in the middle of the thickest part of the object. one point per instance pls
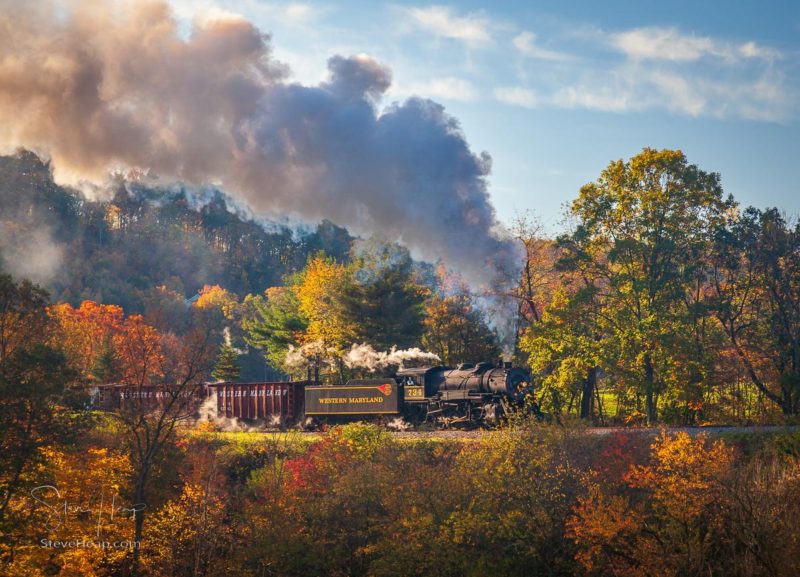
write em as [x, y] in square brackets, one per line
[399, 424]
[208, 414]
[363, 356]
[104, 85]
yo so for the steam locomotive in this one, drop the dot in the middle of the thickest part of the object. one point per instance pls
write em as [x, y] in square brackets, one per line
[470, 394]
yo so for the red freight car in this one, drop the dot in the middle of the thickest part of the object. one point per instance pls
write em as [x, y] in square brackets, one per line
[120, 396]
[273, 403]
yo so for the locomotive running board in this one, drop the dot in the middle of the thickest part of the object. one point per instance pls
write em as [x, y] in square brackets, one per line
[459, 396]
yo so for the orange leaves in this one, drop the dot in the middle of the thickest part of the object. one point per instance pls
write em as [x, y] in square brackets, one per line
[86, 332]
[94, 331]
[663, 519]
[137, 347]
[456, 330]
[603, 527]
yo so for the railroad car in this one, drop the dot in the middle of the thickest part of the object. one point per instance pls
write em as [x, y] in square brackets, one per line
[275, 404]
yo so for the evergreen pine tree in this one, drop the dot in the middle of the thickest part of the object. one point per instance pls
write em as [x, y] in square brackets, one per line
[227, 365]
[387, 309]
[105, 368]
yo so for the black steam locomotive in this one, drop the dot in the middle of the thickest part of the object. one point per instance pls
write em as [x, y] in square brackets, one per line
[469, 394]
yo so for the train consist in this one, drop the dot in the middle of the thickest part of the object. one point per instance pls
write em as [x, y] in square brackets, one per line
[471, 394]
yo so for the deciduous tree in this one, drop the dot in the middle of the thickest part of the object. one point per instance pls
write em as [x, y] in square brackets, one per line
[85, 334]
[641, 230]
[456, 330]
[755, 280]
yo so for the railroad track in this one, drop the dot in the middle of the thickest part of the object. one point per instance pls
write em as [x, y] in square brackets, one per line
[601, 431]
[477, 434]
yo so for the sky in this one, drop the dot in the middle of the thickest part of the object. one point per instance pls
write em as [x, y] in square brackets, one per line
[554, 91]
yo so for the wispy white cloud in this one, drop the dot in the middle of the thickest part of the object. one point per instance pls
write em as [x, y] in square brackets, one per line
[297, 12]
[662, 68]
[647, 68]
[595, 97]
[636, 89]
[442, 22]
[667, 43]
[753, 50]
[448, 88]
[678, 94]
[517, 95]
[525, 43]
[661, 44]
[765, 98]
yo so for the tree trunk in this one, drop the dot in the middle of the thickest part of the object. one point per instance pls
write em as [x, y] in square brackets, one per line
[649, 389]
[587, 395]
[138, 499]
[787, 396]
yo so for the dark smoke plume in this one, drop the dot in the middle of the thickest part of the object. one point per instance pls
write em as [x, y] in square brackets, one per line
[102, 85]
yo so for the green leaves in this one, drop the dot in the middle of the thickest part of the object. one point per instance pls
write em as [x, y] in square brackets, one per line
[630, 269]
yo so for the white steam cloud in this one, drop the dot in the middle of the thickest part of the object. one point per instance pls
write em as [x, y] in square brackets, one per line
[209, 414]
[313, 354]
[100, 85]
[365, 357]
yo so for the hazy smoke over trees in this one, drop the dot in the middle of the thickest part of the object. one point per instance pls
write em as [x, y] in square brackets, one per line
[101, 85]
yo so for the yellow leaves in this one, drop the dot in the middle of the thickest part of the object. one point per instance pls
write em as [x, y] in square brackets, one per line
[77, 499]
[317, 293]
[214, 297]
[185, 531]
[685, 475]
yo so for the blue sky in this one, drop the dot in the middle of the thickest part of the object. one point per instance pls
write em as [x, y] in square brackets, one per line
[556, 90]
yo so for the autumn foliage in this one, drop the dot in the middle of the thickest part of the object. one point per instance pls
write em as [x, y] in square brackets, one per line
[86, 333]
[667, 518]
[91, 483]
[104, 345]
